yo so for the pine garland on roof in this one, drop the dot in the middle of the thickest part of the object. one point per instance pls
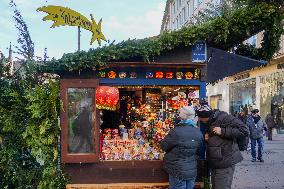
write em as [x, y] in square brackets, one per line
[223, 32]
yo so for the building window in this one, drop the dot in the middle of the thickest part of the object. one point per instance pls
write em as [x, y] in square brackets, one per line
[242, 96]
[179, 2]
[177, 24]
[184, 14]
[180, 21]
[195, 4]
[189, 12]
[174, 8]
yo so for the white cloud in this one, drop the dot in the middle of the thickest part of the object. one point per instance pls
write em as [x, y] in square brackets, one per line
[140, 26]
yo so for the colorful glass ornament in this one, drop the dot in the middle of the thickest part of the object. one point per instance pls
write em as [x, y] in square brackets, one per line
[169, 75]
[102, 74]
[149, 75]
[159, 75]
[133, 75]
[188, 75]
[122, 75]
[111, 74]
[107, 97]
[179, 75]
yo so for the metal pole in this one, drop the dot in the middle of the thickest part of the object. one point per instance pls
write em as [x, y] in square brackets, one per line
[79, 37]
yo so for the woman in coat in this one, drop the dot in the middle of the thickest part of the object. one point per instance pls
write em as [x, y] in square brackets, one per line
[182, 146]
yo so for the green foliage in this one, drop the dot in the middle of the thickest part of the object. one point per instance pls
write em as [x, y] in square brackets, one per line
[29, 132]
[43, 131]
[224, 32]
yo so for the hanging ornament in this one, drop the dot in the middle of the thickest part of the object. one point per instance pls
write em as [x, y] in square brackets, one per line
[133, 75]
[107, 97]
[179, 75]
[188, 75]
[149, 75]
[159, 75]
[122, 75]
[169, 75]
[197, 74]
[111, 74]
[102, 74]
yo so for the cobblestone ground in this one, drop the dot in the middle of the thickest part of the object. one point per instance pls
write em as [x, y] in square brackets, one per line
[257, 175]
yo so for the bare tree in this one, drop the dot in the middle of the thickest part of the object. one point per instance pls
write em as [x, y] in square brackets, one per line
[25, 46]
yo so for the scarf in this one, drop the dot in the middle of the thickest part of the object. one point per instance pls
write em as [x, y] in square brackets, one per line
[256, 119]
[188, 122]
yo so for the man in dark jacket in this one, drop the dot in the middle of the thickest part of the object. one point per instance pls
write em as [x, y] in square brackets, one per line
[182, 146]
[270, 122]
[256, 127]
[222, 150]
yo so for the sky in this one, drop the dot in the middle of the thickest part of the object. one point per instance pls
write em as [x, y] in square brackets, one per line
[122, 19]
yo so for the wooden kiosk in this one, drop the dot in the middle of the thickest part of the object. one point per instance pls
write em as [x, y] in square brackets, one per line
[119, 149]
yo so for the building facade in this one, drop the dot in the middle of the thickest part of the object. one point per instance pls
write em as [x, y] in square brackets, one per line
[261, 88]
[179, 13]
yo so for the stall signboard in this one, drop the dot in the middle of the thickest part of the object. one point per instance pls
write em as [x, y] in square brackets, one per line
[64, 16]
[199, 52]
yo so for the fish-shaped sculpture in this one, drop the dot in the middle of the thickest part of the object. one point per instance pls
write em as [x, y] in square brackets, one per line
[64, 16]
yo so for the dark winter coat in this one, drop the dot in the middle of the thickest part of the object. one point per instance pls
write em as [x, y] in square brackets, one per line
[182, 146]
[222, 150]
[255, 129]
[269, 120]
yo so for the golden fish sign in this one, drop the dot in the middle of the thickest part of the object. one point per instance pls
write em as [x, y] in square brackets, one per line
[64, 16]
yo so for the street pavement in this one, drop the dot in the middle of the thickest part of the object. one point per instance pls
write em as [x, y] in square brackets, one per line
[257, 175]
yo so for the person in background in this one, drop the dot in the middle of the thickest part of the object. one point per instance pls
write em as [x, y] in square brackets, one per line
[242, 116]
[222, 150]
[270, 122]
[235, 114]
[256, 127]
[182, 145]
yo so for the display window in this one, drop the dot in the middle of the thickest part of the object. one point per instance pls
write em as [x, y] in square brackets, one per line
[118, 123]
[242, 96]
[142, 119]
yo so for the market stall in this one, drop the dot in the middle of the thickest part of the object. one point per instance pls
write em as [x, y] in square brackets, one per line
[114, 118]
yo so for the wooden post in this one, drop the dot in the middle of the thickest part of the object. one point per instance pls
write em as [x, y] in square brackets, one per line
[79, 38]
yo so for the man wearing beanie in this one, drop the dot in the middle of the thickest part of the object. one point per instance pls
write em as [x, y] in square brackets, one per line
[182, 146]
[223, 152]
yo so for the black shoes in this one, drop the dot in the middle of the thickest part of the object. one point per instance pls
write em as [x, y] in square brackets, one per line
[260, 159]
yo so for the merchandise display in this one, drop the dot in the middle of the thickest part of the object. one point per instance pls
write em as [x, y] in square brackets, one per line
[147, 120]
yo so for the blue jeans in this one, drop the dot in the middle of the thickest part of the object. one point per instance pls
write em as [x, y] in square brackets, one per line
[181, 184]
[260, 144]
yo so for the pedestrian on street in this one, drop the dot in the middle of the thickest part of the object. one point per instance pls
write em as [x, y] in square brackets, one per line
[270, 122]
[256, 127]
[182, 146]
[222, 150]
[242, 116]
